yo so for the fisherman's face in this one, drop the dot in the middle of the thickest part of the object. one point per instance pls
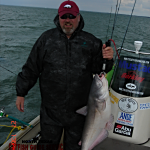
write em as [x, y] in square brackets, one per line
[69, 25]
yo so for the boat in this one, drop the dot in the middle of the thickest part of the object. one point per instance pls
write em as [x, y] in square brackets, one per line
[24, 135]
[27, 138]
[29, 134]
[131, 131]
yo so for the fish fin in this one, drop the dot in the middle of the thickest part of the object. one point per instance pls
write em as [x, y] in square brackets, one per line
[102, 105]
[82, 111]
[109, 124]
[103, 135]
[111, 119]
[80, 143]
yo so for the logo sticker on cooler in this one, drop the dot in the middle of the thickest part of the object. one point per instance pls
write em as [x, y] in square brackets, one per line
[131, 86]
[123, 130]
[128, 104]
[133, 76]
[144, 106]
[126, 119]
[131, 91]
[140, 67]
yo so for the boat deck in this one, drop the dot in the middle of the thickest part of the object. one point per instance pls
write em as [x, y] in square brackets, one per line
[107, 144]
[111, 144]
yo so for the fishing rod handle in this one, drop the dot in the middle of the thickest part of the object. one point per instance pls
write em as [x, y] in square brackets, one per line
[108, 43]
[10, 117]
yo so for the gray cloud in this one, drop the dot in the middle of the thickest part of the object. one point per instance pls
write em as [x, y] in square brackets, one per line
[146, 5]
[143, 6]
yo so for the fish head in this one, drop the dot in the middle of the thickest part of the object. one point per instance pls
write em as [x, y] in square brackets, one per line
[99, 88]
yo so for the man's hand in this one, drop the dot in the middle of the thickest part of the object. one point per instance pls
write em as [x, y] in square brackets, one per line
[107, 52]
[20, 103]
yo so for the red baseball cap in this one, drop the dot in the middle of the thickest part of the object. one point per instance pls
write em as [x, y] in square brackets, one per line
[68, 7]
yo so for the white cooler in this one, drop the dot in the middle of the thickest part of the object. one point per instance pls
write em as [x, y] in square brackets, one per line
[130, 99]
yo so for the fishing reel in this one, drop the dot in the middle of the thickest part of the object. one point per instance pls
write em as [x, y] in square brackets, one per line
[2, 113]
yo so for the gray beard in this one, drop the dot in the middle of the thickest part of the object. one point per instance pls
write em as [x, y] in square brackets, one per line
[68, 32]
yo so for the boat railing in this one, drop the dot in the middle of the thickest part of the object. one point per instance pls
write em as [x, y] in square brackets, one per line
[133, 51]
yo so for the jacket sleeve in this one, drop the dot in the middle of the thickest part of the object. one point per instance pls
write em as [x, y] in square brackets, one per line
[32, 68]
[97, 59]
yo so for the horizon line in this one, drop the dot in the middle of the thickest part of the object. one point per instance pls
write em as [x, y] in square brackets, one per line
[80, 10]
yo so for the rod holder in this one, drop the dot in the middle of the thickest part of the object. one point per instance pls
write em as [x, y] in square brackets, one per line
[138, 45]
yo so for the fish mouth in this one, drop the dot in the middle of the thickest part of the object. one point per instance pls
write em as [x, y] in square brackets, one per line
[100, 77]
[97, 76]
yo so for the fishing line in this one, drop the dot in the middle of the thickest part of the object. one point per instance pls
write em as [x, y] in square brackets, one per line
[127, 27]
[109, 23]
[7, 69]
[123, 41]
[108, 43]
[114, 20]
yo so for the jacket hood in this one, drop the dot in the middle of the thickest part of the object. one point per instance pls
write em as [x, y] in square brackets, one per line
[79, 28]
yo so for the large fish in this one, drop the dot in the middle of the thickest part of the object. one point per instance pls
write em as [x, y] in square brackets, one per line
[98, 114]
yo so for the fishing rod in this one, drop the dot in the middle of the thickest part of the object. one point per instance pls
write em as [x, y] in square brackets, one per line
[108, 43]
[126, 31]
[114, 23]
[115, 19]
[7, 69]
[109, 23]
[127, 27]
[123, 40]
[3, 114]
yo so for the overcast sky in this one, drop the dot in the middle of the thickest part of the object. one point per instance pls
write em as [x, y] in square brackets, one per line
[142, 7]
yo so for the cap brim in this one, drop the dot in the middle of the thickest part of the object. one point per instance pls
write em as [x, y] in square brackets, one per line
[67, 12]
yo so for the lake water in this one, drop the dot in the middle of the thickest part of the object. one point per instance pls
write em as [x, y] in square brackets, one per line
[19, 29]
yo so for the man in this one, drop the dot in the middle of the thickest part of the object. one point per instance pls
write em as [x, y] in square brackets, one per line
[64, 59]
